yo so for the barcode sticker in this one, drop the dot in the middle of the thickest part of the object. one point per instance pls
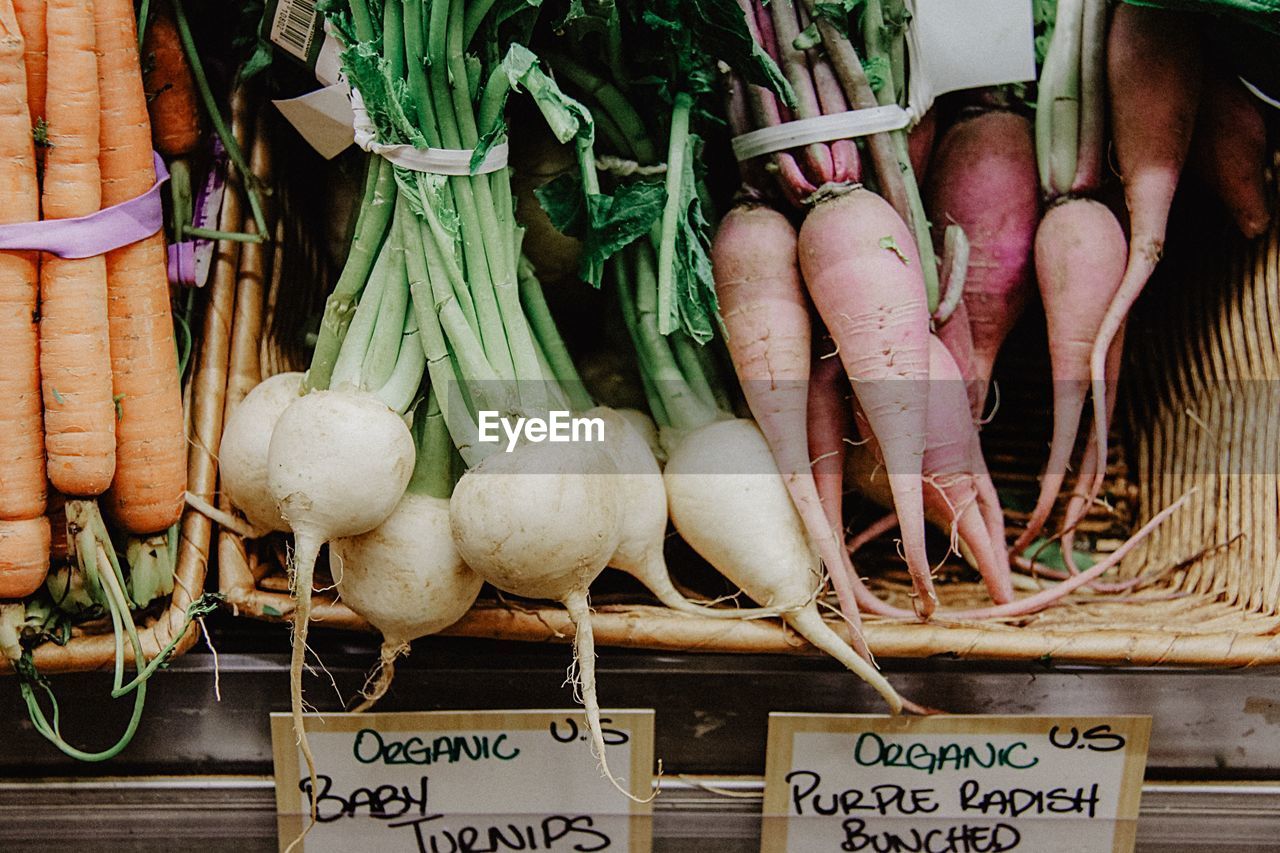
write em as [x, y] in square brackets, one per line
[294, 27]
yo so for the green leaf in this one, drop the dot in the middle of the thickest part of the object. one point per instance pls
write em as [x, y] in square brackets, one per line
[606, 224]
[1050, 555]
[720, 30]
[808, 38]
[268, 610]
[839, 12]
[566, 117]
[696, 302]
[878, 72]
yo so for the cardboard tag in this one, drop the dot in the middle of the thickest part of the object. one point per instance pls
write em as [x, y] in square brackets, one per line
[963, 44]
[478, 780]
[952, 784]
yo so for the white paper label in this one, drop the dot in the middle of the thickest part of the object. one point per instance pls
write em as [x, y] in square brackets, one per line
[953, 784]
[963, 44]
[323, 118]
[485, 780]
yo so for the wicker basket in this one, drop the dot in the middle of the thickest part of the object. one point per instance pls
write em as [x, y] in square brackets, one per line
[1211, 318]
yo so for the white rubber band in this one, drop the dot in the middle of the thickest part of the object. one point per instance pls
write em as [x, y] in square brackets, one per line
[796, 134]
[436, 161]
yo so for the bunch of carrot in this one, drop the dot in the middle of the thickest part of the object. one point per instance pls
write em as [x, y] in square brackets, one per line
[91, 395]
[90, 398]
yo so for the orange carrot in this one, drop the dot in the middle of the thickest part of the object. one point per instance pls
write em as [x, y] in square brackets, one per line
[151, 448]
[24, 550]
[174, 104]
[31, 23]
[24, 556]
[75, 366]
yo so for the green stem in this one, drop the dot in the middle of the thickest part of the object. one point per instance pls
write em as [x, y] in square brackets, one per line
[875, 35]
[447, 80]
[144, 12]
[362, 20]
[474, 18]
[215, 116]
[684, 408]
[213, 234]
[372, 223]
[432, 470]
[383, 352]
[401, 388]
[419, 88]
[549, 339]
[611, 101]
[677, 146]
[393, 35]
[346, 367]
[627, 299]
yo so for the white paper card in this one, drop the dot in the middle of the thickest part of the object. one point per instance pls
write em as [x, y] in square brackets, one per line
[947, 784]
[479, 780]
[323, 117]
[963, 44]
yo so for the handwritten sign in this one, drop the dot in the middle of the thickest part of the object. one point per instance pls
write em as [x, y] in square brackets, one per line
[953, 784]
[452, 782]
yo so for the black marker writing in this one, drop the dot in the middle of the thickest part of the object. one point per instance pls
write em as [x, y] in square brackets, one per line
[964, 838]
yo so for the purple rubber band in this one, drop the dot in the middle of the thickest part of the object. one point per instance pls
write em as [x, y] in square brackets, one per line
[95, 234]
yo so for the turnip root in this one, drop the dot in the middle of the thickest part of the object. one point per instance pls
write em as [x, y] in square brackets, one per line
[767, 323]
[725, 471]
[957, 336]
[242, 454]
[542, 522]
[1154, 71]
[337, 466]
[644, 516]
[859, 260]
[1080, 257]
[984, 180]
[1229, 150]
[406, 578]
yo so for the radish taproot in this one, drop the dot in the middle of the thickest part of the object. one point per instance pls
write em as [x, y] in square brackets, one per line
[859, 260]
[767, 328]
[1080, 260]
[1154, 73]
[1229, 150]
[983, 179]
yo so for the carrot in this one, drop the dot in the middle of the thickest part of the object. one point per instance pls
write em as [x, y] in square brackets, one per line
[1229, 150]
[1154, 74]
[31, 23]
[24, 549]
[151, 449]
[766, 319]
[75, 366]
[864, 275]
[1080, 257]
[174, 105]
[24, 556]
[983, 179]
